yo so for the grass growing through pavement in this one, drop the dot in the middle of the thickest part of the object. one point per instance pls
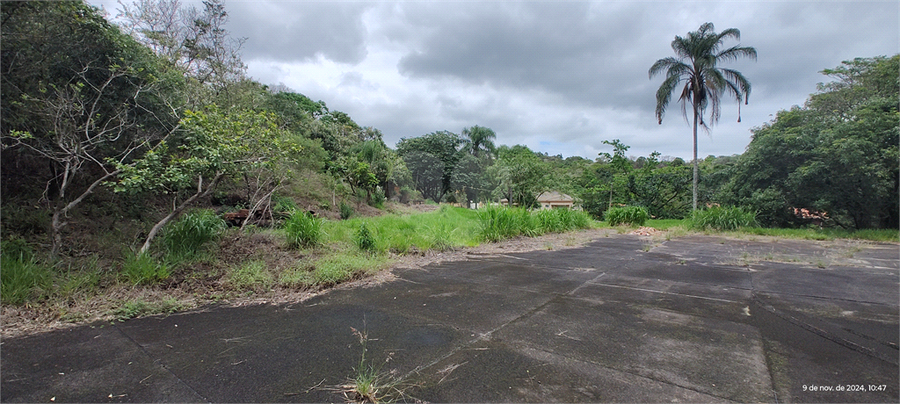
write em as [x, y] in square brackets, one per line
[369, 384]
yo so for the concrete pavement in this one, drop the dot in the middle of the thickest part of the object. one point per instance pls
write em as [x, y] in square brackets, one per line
[694, 319]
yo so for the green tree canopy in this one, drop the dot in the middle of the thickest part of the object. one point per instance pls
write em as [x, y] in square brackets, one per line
[838, 155]
[421, 155]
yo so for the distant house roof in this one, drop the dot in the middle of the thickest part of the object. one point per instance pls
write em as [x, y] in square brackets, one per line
[554, 197]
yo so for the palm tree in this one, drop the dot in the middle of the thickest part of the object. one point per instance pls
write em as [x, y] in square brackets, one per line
[479, 138]
[704, 82]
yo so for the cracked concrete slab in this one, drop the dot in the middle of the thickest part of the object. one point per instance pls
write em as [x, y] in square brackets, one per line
[622, 319]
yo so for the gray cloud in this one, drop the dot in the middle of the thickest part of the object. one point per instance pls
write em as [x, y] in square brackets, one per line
[557, 76]
[300, 31]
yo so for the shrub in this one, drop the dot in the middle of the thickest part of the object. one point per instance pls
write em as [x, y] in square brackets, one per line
[630, 215]
[185, 237]
[365, 241]
[304, 230]
[723, 218]
[378, 198]
[143, 269]
[283, 204]
[346, 210]
[22, 277]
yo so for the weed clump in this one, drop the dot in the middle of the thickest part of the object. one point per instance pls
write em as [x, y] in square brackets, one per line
[629, 215]
[304, 230]
[250, 276]
[143, 269]
[346, 210]
[23, 277]
[185, 237]
[722, 218]
[365, 240]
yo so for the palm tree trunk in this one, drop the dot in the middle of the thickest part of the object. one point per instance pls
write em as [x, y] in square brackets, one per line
[696, 163]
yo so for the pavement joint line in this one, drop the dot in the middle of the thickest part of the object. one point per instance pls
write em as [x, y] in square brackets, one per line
[526, 345]
[669, 293]
[571, 293]
[159, 364]
[770, 292]
[822, 333]
[479, 337]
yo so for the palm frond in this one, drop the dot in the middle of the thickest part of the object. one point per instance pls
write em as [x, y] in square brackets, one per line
[738, 78]
[666, 64]
[730, 32]
[664, 95]
[735, 52]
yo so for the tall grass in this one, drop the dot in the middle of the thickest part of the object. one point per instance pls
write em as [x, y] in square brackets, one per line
[184, 237]
[304, 230]
[722, 218]
[629, 215]
[22, 277]
[446, 228]
[143, 269]
[499, 223]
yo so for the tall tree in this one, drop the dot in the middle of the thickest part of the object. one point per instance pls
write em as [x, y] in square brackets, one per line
[433, 154]
[696, 65]
[478, 140]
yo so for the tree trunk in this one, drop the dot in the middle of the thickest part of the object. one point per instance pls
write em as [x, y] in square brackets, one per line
[177, 211]
[56, 224]
[696, 163]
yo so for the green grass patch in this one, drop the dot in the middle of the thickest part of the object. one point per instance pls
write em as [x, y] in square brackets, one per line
[185, 237]
[683, 227]
[23, 278]
[500, 223]
[445, 228]
[297, 276]
[251, 275]
[627, 215]
[722, 218]
[338, 268]
[878, 235]
[304, 230]
[143, 269]
[137, 308]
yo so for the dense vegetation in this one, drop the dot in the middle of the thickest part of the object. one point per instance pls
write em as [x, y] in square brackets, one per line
[125, 146]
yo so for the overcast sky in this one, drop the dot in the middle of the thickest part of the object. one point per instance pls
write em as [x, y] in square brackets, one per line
[559, 77]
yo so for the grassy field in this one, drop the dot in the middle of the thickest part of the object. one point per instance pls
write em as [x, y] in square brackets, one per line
[305, 254]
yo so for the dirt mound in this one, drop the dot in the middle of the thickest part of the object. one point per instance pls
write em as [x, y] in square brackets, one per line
[645, 231]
